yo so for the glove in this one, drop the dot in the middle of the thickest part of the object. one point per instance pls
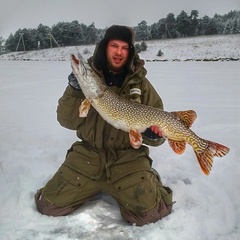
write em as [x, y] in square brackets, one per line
[153, 133]
[72, 81]
[156, 130]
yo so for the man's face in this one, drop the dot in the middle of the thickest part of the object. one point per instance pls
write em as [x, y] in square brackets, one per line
[117, 54]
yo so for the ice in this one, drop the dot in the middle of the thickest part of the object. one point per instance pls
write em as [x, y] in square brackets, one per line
[33, 146]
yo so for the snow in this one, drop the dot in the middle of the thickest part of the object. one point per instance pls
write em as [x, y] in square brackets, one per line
[33, 145]
[219, 47]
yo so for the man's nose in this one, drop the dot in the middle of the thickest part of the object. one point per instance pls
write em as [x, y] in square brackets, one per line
[119, 51]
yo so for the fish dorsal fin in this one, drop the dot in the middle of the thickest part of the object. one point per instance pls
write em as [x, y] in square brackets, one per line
[188, 117]
[177, 146]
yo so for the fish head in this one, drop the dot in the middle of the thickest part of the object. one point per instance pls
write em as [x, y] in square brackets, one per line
[88, 80]
[79, 68]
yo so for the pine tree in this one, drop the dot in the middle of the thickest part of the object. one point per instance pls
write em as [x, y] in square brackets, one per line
[142, 31]
[2, 45]
[170, 24]
[193, 23]
[183, 24]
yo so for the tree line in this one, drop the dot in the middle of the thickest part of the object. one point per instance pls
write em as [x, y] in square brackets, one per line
[75, 33]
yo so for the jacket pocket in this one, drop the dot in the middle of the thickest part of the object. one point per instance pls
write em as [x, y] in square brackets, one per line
[82, 158]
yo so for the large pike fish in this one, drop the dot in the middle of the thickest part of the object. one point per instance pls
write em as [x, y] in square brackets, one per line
[135, 118]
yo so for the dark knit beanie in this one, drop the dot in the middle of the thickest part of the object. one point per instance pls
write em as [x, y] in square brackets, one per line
[119, 32]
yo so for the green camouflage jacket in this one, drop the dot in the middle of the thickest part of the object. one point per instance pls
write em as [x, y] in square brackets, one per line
[95, 132]
[93, 129]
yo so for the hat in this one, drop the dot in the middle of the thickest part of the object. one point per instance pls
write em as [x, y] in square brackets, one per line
[119, 32]
[116, 32]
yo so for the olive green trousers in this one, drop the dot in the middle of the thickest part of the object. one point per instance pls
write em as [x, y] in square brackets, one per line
[126, 175]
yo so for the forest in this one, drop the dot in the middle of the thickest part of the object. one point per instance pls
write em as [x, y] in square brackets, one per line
[75, 33]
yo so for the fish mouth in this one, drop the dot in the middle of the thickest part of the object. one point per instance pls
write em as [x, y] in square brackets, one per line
[74, 58]
[78, 67]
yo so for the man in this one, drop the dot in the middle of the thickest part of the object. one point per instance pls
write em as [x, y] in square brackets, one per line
[104, 160]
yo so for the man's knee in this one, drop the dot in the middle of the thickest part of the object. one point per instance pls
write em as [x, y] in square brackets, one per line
[150, 201]
[46, 208]
[160, 211]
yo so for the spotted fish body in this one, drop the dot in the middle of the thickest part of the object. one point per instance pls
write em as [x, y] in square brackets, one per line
[135, 118]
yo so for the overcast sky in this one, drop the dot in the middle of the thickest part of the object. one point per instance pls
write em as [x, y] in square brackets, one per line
[15, 14]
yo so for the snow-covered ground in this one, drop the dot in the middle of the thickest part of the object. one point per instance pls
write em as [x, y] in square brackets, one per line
[33, 145]
[219, 47]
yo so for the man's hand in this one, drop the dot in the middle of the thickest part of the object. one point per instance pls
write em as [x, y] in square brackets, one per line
[153, 133]
[72, 81]
[156, 130]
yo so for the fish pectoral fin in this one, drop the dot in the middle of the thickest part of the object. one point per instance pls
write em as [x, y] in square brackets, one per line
[177, 146]
[205, 157]
[188, 117]
[135, 138]
[84, 108]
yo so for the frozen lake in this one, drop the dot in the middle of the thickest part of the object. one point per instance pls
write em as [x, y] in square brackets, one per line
[33, 145]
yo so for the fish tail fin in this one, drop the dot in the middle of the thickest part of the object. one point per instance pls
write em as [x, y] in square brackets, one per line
[205, 155]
